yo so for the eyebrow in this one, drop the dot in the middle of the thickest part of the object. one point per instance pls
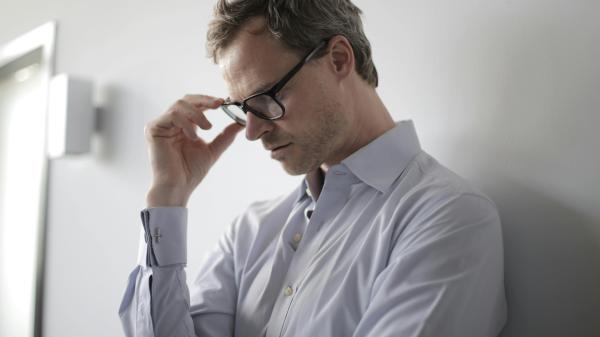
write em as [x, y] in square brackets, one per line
[263, 88]
[260, 89]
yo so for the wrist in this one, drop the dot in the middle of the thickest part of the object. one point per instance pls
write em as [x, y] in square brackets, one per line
[159, 196]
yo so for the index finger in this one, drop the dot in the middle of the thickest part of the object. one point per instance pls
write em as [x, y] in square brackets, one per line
[203, 101]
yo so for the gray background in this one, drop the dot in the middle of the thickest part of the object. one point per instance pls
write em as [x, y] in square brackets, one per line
[505, 93]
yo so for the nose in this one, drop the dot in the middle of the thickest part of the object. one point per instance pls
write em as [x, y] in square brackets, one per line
[256, 127]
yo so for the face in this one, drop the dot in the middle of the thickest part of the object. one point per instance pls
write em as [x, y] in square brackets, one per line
[314, 120]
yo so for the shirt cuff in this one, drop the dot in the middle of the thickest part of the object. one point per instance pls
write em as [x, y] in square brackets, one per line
[164, 236]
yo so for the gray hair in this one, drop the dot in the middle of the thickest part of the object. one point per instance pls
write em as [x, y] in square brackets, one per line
[298, 24]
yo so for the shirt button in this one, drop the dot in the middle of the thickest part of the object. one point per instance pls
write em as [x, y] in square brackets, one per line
[297, 237]
[288, 291]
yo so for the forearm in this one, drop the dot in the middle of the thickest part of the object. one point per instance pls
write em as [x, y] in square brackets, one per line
[170, 302]
[156, 302]
[167, 196]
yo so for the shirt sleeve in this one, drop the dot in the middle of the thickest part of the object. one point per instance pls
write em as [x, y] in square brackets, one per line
[156, 302]
[444, 276]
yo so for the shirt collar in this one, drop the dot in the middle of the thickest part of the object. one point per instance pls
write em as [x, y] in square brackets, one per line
[380, 162]
[303, 190]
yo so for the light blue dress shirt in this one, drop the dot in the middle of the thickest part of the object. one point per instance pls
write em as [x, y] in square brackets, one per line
[395, 245]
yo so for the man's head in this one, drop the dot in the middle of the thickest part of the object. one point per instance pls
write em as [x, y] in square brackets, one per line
[257, 42]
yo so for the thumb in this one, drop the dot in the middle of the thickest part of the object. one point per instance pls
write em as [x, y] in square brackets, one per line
[224, 139]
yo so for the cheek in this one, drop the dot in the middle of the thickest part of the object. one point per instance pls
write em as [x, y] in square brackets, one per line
[297, 115]
[303, 97]
[305, 109]
[295, 107]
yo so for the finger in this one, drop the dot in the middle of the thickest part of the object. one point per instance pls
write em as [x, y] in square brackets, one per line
[153, 131]
[188, 128]
[193, 113]
[182, 115]
[175, 119]
[203, 101]
[224, 139]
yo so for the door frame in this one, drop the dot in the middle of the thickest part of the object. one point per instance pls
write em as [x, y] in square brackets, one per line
[42, 37]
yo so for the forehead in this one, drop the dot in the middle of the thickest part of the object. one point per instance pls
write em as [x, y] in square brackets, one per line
[253, 61]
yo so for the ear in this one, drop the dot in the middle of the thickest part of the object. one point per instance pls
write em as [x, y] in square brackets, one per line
[341, 56]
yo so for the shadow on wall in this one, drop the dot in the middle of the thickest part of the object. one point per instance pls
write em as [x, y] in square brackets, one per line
[552, 264]
[121, 114]
[106, 123]
[536, 137]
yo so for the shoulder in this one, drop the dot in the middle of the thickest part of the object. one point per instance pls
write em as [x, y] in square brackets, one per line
[427, 183]
[433, 199]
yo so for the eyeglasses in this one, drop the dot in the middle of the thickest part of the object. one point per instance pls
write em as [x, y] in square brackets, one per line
[264, 104]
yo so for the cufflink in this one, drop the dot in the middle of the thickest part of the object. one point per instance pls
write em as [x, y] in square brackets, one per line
[156, 234]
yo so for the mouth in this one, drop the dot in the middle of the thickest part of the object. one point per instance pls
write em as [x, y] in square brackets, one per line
[273, 148]
[277, 152]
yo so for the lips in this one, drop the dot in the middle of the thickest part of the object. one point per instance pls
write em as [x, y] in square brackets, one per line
[277, 153]
[273, 148]
[279, 147]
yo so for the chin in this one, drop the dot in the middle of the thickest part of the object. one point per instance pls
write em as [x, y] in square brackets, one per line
[301, 162]
[299, 167]
[293, 170]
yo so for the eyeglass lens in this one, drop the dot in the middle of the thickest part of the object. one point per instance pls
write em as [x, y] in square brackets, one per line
[262, 105]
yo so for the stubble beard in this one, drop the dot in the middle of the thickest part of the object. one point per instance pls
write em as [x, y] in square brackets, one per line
[319, 142]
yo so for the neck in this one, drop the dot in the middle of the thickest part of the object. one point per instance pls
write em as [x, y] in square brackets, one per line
[370, 120]
[315, 180]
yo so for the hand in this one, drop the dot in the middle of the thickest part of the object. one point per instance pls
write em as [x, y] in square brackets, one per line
[179, 158]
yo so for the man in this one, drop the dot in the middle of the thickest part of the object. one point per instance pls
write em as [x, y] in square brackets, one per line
[379, 239]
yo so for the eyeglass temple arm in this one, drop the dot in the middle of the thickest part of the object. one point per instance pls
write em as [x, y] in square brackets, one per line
[306, 58]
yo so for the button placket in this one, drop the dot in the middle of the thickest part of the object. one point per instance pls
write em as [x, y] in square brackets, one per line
[288, 291]
[297, 237]
[332, 199]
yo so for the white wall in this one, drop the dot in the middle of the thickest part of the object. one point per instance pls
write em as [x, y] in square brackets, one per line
[506, 93]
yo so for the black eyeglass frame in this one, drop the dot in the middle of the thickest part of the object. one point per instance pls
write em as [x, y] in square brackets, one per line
[270, 92]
